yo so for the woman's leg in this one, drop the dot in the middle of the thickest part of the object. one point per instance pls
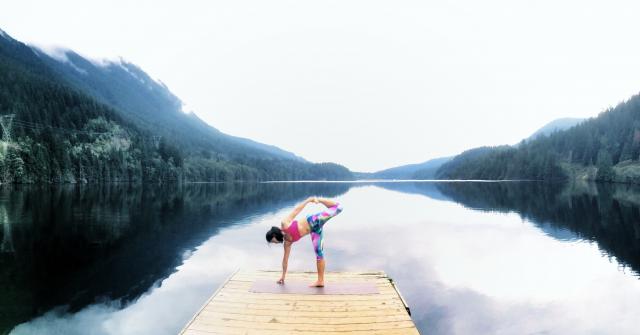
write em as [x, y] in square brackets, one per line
[318, 220]
[316, 223]
[317, 238]
[320, 265]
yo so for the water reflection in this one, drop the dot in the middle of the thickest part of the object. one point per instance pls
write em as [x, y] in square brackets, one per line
[608, 214]
[75, 245]
[481, 258]
[493, 269]
[429, 189]
[7, 240]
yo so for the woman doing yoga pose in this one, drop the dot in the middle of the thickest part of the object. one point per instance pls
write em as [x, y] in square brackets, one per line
[292, 230]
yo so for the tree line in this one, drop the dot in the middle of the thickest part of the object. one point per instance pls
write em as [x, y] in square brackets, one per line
[61, 135]
[604, 148]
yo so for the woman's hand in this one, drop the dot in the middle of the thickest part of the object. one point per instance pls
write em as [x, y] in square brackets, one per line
[281, 281]
[312, 199]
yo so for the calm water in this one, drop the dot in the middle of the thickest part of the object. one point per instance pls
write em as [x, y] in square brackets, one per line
[470, 258]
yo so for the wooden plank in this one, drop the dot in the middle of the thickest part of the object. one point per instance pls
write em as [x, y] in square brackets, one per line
[246, 290]
[341, 303]
[246, 285]
[378, 280]
[311, 279]
[298, 303]
[362, 273]
[204, 324]
[239, 293]
[234, 331]
[313, 273]
[233, 309]
[305, 308]
[242, 294]
[210, 299]
[332, 313]
[308, 319]
[310, 275]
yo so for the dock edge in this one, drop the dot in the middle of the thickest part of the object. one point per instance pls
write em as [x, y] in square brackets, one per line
[208, 301]
[404, 302]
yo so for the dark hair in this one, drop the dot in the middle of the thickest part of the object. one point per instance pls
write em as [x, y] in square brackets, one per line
[275, 231]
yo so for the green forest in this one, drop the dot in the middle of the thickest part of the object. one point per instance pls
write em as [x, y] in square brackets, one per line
[604, 148]
[73, 121]
[56, 129]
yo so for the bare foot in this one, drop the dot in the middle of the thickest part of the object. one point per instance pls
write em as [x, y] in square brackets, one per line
[317, 284]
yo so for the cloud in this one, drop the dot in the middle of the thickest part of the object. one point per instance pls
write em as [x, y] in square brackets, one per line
[461, 271]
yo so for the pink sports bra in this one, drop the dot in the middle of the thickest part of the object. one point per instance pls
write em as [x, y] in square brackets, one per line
[292, 230]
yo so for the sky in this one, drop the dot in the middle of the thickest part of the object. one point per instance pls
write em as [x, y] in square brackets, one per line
[366, 84]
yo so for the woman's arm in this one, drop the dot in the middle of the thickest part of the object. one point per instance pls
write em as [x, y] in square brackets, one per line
[285, 261]
[297, 210]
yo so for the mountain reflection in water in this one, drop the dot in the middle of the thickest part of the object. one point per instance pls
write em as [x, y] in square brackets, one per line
[73, 245]
[608, 214]
[470, 257]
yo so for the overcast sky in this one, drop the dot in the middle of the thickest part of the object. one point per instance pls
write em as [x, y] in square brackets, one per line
[367, 84]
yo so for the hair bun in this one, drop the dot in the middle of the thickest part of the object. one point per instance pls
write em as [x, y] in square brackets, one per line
[275, 232]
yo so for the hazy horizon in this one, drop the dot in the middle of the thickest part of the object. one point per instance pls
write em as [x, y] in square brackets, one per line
[363, 84]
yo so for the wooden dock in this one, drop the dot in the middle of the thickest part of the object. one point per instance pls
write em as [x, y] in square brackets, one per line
[235, 309]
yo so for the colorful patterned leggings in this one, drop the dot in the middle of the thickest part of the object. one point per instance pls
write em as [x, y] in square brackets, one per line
[316, 222]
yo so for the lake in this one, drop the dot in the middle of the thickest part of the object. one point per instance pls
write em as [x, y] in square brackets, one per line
[469, 257]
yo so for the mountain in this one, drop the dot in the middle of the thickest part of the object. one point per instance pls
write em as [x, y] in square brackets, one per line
[53, 133]
[604, 148]
[424, 170]
[429, 169]
[555, 125]
[81, 120]
[462, 167]
[148, 103]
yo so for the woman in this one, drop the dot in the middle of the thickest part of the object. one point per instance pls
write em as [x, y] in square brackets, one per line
[292, 230]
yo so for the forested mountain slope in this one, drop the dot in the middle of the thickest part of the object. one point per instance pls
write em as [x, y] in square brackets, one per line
[605, 148]
[101, 126]
[555, 125]
[149, 104]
